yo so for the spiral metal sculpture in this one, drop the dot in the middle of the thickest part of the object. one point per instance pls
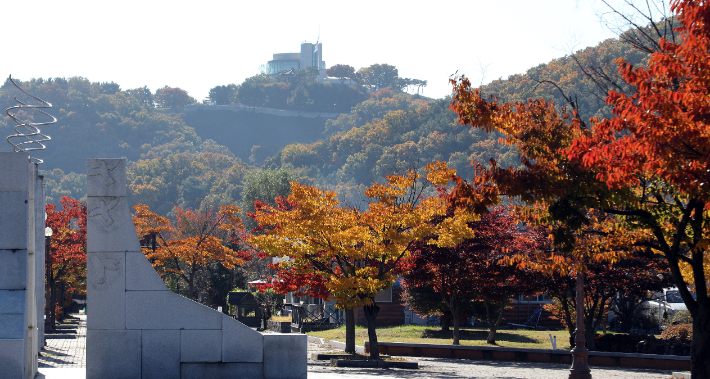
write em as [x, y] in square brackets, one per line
[27, 135]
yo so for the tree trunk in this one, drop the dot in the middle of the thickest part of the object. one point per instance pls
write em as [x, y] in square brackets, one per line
[568, 317]
[455, 315]
[493, 325]
[350, 331]
[445, 322]
[52, 303]
[453, 308]
[371, 315]
[700, 346]
[593, 321]
[60, 299]
[591, 333]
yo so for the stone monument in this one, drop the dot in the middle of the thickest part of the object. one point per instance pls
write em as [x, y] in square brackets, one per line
[137, 328]
[21, 266]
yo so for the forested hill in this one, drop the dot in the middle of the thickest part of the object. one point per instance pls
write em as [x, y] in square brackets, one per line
[174, 159]
[585, 76]
[95, 120]
[393, 131]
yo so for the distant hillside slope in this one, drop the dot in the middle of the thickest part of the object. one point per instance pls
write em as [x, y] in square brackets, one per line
[394, 131]
[254, 136]
[93, 120]
[572, 75]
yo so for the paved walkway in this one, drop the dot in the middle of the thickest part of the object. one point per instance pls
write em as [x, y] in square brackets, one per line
[66, 348]
[64, 357]
[461, 368]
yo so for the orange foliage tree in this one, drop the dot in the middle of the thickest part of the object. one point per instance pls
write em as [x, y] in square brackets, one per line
[187, 247]
[549, 189]
[658, 147]
[67, 254]
[358, 253]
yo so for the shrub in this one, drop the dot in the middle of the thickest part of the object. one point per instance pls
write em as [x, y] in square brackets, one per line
[682, 333]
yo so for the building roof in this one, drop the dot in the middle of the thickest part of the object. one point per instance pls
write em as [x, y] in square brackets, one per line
[236, 298]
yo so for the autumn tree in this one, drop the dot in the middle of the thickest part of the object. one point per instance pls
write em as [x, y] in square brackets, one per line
[187, 247]
[659, 145]
[631, 278]
[473, 268]
[358, 253]
[67, 254]
[425, 301]
[342, 72]
[549, 189]
[172, 97]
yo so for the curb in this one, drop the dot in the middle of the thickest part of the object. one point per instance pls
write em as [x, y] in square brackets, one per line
[374, 364]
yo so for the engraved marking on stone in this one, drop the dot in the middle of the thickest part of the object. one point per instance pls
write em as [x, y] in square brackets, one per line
[102, 263]
[104, 210]
[104, 170]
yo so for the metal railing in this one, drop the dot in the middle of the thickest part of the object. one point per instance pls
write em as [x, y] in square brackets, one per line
[310, 317]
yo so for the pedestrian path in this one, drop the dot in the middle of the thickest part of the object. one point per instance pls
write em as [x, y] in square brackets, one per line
[66, 348]
[64, 357]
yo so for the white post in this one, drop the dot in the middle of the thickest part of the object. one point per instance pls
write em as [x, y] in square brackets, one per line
[660, 298]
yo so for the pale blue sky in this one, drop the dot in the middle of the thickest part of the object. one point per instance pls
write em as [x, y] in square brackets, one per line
[198, 45]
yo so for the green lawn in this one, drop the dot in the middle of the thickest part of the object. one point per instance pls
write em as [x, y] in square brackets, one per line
[530, 339]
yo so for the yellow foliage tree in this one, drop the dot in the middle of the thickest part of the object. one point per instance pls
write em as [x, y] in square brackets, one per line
[358, 253]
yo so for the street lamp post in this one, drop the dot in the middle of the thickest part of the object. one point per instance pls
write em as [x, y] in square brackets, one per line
[580, 364]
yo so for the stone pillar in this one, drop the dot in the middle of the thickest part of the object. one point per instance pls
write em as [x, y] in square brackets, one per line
[111, 350]
[138, 329]
[14, 215]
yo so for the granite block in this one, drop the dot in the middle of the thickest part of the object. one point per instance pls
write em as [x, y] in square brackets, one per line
[200, 346]
[13, 220]
[106, 177]
[240, 343]
[109, 225]
[285, 356]
[106, 291]
[12, 313]
[12, 301]
[12, 325]
[13, 269]
[12, 358]
[13, 172]
[113, 354]
[140, 274]
[168, 310]
[160, 354]
[221, 370]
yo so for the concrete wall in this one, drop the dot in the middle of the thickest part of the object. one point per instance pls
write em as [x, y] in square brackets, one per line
[271, 111]
[137, 328]
[21, 218]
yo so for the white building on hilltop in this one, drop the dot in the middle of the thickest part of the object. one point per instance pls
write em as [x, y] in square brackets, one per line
[311, 55]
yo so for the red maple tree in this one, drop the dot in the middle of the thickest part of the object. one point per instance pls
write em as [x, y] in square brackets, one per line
[658, 147]
[474, 267]
[67, 254]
